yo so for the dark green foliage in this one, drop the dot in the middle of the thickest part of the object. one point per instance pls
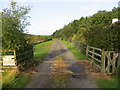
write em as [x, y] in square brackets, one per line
[46, 37]
[95, 30]
[106, 38]
[14, 21]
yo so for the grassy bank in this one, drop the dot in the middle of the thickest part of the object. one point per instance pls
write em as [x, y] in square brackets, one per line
[41, 50]
[11, 80]
[105, 83]
[77, 53]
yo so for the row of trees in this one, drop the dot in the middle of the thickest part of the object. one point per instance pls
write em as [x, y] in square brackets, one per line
[95, 30]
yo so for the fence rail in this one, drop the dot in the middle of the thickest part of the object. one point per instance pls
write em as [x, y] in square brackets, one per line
[107, 61]
[23, 55]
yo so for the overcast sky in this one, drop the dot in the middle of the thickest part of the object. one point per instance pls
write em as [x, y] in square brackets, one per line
[48, 16]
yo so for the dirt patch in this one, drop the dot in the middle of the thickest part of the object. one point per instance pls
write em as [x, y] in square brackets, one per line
[103, 76]
[59, 64]
[94, 71]
[60, 74]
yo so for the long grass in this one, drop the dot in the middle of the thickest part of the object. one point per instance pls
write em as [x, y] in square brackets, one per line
[16, 81]
[77, 53]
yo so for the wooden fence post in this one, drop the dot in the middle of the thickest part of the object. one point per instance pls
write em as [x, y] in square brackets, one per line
[108, 63]
[87, 51]
[93, 54]
[113, 68]
[103, 62]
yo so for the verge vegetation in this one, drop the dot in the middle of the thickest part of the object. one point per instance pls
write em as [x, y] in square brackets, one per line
[77, 53]
[104, 83]
[41, 50]
[11, 80]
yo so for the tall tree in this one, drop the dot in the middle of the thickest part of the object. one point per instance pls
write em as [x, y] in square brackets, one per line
[14, 22]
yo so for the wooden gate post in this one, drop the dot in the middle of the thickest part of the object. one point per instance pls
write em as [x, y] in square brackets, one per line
[103, 62]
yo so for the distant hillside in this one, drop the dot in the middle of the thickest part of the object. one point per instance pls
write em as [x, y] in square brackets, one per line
[36, 38]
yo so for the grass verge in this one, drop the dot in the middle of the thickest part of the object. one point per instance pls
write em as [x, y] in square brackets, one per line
[77, 53]
[104, 83]
[41, 50]
[11, 80]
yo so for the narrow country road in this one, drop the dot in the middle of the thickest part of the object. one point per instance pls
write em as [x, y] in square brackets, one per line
[43, 77]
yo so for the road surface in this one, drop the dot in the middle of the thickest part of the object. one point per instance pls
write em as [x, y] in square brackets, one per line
[43, 77]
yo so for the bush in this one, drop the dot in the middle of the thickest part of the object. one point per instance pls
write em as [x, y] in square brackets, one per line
[106, 37]
[13, 27]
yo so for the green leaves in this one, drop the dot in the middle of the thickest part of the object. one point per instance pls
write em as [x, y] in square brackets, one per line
[94, 30]
[14, 21]
[106, 38]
